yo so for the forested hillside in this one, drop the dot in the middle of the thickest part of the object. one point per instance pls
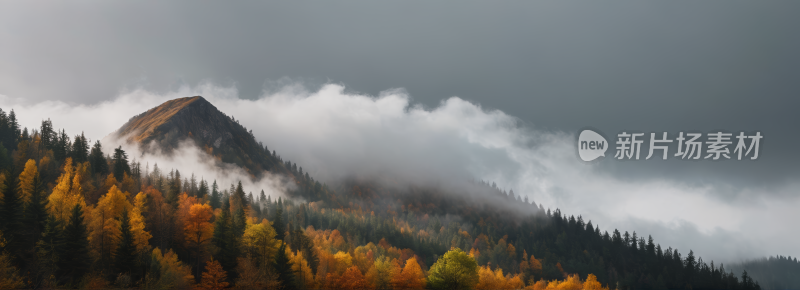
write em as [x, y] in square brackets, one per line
[72, 216]
[778, 272]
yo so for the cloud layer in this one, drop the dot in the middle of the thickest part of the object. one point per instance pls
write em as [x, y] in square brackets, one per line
[336, 134]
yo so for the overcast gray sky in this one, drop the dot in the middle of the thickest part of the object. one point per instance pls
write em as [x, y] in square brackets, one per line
[555, 66]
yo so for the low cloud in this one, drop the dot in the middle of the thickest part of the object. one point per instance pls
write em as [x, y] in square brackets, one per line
[335, 134]
[189, 159]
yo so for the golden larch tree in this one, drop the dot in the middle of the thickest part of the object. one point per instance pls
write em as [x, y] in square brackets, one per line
[26, 185]
[141, 237]
[302, 271]
[67, 193]
[173, 274]
[214, 277]
[411, 277]
[104, 224]
[592, 283]
[489, 280]
[260, 242]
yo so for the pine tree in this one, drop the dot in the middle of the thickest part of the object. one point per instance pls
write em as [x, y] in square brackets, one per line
[238, 198]
[73, 256]
[5, 158]
[239, 223]
[174, 188]
[47, 134]
[61, 146]
[283, 267]
[97, 160]
[203, 190]
[35, 214]
[215, 198]
[51, 242]
[278, 225]
[80, 149]
[221, 238]
[11, 213]
[120, 163]
[125, 256]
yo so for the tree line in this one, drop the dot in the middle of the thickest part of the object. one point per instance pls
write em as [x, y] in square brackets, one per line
[71, 216]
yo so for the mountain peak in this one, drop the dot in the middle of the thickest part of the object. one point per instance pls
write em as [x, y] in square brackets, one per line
[141, 128]
[194, 118]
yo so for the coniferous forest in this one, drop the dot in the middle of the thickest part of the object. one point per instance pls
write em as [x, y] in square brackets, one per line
[72, 216]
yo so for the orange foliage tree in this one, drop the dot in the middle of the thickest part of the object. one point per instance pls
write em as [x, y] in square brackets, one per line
[572, 282]
[198, 230]
[185, 203]
[488, 279]
[411, 277]
[353, 279]
[214, 276]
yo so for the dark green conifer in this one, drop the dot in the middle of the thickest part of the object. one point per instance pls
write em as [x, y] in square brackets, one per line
[121, 165]
[283, 267]
[125, 255]
[97, 160]
[73, 261]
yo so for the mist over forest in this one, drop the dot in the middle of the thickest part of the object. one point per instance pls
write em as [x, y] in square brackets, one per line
[196, 206]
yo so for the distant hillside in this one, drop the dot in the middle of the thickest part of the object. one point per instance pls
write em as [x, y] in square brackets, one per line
[500, 230]
[196, 119]
[773, 272]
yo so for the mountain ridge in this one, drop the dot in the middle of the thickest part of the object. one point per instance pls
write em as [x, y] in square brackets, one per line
[196, 119]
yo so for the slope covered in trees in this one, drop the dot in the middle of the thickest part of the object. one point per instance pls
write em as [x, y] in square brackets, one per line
[82, 218]
[777, 272]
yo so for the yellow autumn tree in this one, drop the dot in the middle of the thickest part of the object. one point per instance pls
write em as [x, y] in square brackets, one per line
[572, 282]
[301, 270]
[592, 283]
[488, 279]
[67, 193]
[104, 229]
[343, 262]
[382, 272]
[260, 242]
[26, 185]
[411, 277]
[141, 238]
[515, 282]
[172, 273]
[539, 285]
[127, 184]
